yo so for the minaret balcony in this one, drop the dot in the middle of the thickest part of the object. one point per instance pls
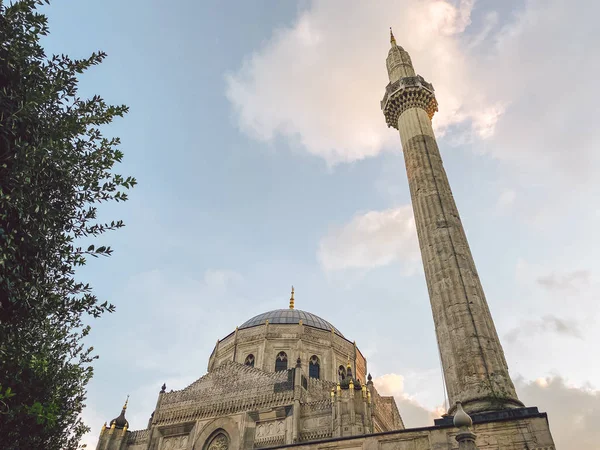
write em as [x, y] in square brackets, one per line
[407, 92]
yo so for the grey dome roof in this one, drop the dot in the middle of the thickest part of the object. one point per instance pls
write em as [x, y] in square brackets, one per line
[290, 316]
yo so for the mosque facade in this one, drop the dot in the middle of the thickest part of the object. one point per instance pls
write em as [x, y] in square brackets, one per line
[290, 379]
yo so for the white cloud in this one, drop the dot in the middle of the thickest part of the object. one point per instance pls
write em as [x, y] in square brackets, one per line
[558, 283]
[413, 413]
[505, 200]
[573, 412]
[546, 324]
[373, 239]
[521, 89]
[539, 64]
[570, 281]
[319, 81]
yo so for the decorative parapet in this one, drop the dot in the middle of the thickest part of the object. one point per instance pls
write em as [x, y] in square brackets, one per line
[270, 441]
[192, 411]
[315, 435]
[138, 437]
[386, 412]
[228, 389]
[310, 408]
[318, 390]
[407, 92]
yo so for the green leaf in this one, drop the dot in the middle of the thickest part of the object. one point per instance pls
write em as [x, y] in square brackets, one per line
[56, 169]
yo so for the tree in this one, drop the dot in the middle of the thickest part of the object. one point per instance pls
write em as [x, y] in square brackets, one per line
[55, 168]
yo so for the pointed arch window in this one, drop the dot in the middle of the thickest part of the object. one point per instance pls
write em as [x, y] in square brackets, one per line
[281, 362]
[342, 373]
[249, 360]
[314, 367]
[219, 441]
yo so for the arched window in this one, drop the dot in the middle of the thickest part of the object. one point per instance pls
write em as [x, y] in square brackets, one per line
[249, 360]
[219, 441]
[342, 373]
[281, 362]
[313, 367]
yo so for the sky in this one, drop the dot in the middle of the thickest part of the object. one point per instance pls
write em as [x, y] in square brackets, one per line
[264, 161]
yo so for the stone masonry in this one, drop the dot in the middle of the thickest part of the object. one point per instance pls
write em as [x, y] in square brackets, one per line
[251, 407]
[265, 341]
[474, 366]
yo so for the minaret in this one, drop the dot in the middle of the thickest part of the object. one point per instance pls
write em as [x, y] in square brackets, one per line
[473, 361]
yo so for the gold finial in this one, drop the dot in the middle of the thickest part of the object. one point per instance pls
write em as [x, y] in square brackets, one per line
[392, 38]
[126, 401]
[103, 427]
[125, 429]
[292, 299]
[349, 365]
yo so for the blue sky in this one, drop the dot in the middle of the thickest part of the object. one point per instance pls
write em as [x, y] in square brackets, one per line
[263, 161]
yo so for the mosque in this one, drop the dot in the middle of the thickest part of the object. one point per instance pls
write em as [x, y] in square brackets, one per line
[289, 379]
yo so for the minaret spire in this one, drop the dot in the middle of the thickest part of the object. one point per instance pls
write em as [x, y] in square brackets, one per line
[292, 299]
[392, 38]
[473, 362]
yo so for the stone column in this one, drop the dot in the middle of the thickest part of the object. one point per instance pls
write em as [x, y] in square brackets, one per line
[297, 396]
[473, 362]
[337, 423]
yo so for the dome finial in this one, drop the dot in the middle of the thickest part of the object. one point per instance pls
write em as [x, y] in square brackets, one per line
[461, 418]
[292, 299]
[392, 38]
[121, 421]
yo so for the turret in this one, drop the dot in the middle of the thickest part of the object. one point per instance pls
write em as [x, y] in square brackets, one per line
[351, 408]
[112, 438]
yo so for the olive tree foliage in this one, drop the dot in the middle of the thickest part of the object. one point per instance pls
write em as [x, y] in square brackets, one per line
[55, 168]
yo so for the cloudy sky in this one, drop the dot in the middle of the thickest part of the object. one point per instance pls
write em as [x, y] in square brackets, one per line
[263, 161]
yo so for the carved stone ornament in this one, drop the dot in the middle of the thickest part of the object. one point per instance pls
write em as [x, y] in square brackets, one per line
[267, 429]
[175, 443]
[219, 442]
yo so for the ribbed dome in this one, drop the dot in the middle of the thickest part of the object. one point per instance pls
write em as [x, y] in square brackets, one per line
[290, 316]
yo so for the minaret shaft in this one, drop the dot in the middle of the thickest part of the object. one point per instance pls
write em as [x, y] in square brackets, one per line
[473, 362]
[475, 369]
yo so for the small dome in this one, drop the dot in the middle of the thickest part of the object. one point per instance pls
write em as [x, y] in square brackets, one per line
[290, 316]
[121, 421]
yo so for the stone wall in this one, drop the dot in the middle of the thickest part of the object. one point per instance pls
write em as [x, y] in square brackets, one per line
[385, 412]
[264, 342]
[515, 434]
[253, 409]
